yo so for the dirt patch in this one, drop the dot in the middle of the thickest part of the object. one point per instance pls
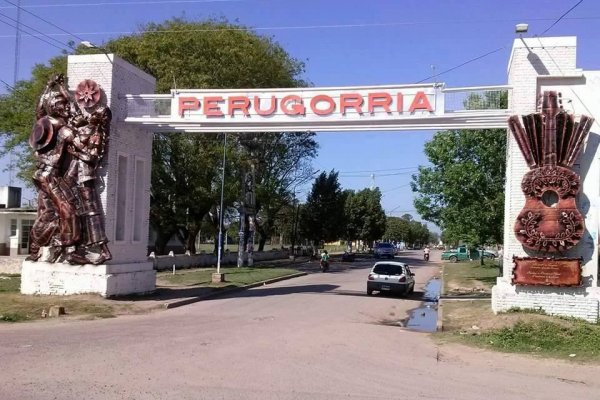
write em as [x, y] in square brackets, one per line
[15, 307]
[476, 316]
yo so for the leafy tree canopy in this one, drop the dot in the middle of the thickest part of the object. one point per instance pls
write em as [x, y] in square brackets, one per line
[365, 218]
[182, 54]
[463, 190]
[322, 217]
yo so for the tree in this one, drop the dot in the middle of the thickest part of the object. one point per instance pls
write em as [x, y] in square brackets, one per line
[209, 54]
[365, 218]
[396, 229]
[322, 217]
[463, 190]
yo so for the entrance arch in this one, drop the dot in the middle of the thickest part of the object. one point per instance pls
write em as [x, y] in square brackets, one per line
[535, 65]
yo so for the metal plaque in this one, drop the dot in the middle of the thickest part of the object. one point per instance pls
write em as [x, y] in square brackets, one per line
[547, 271]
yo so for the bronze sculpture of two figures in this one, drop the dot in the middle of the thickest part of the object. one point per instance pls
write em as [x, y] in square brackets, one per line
[69, 139]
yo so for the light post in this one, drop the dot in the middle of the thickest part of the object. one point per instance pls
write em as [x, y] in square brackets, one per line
[219, 277]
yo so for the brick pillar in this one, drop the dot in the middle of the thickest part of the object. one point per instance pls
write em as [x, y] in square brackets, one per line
[538, 64]
[124, 189]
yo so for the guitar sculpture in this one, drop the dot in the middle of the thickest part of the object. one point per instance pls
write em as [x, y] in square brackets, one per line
[550, 141]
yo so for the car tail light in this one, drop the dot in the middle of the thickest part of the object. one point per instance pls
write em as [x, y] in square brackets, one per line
[403, 279]
[371, 277]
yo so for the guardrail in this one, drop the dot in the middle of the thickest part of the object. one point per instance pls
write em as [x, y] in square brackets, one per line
[476, 98]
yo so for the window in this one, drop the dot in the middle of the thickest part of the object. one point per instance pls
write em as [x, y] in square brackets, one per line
[26, 225]
[388, 269]
[13, 227]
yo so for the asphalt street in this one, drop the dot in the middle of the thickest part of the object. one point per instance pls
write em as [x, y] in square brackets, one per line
[314, 337]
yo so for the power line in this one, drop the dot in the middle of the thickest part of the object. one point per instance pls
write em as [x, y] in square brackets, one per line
[561, 17]
[19, 28]
[274, 28]
[377, 170]
[20, 8]
[125, 3]
[463, 64]
[7, 85]
[396, 188]
[37, 37]
[378, 175]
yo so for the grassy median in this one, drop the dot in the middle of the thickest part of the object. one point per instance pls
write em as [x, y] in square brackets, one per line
[472, 321]
[469, 278]
[233, 276]
[15, 307]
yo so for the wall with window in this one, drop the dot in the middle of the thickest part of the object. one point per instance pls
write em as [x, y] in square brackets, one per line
[14, 231]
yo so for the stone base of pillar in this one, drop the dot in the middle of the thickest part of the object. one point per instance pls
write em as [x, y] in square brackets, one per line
[577, 302]
[218, 277]
[105, 280]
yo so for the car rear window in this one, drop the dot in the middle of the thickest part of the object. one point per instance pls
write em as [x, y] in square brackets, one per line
[388, 269]
[385, 245]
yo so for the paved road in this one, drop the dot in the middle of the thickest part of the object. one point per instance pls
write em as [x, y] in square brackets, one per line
[314, 337]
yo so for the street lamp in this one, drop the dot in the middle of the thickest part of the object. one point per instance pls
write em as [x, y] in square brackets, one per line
[218, 277]
[91, 45]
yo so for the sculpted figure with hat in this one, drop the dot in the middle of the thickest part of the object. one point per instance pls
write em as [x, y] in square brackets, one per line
[49, 138]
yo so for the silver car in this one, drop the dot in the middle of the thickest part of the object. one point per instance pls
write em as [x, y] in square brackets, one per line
[387, 250]
[392, 277]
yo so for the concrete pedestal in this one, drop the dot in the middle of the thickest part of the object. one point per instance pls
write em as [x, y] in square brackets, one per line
[106, 280]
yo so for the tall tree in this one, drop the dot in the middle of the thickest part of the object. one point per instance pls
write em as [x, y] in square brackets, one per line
[322, 217]
[209, 54]
[365, 218]
[396, 229]
[463, 190]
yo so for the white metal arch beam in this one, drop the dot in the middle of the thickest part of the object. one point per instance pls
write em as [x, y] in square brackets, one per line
[344, 109]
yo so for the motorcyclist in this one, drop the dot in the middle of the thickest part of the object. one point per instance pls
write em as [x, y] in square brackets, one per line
[324, 260]
[426, 253]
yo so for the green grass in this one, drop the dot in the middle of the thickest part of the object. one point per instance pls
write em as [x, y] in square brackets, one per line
[233, 276]
[10, 283]
[469, 277]
[561, 338]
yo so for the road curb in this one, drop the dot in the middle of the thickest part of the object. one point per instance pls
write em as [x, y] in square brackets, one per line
[217, 293]
[440, 309]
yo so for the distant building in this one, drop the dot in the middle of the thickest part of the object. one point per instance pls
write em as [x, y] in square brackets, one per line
[15, 222]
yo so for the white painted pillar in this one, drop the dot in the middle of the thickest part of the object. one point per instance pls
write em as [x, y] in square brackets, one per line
[536, 65]
[124, 189]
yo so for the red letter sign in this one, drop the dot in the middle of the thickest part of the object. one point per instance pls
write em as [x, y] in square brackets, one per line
[211, 106]
[238, 103]
[296, 108]
[188, 103]
[269, 110]
[351, 100]
[420, 102]
[382, 99]
[322, 98]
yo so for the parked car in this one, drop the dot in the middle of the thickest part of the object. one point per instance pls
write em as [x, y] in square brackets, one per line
[384, 250]
[391, 277]
[461, 253]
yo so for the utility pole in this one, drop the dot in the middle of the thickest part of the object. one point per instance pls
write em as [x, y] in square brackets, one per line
[15, 77]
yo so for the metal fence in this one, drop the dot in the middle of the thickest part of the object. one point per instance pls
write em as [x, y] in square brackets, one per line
[476, 98]
[149, 106]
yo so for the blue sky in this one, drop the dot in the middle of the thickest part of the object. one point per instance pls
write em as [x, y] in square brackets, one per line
[343, 42]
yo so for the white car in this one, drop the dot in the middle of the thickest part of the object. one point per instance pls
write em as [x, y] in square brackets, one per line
[392, 277]
[386, 250]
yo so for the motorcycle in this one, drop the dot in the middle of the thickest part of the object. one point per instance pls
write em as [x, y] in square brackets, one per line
[426, 256]
[324, 266]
